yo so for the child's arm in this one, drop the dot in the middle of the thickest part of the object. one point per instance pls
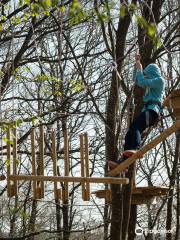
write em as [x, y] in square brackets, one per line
[142, 82]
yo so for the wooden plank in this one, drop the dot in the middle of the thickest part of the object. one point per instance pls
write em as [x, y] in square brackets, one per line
[153, 191]
[166, 133]
[86, 151]
[144, 191]
[82, 165]
[175, 102]
[173, 99]
[66, 165]
[110, 180]
[41, 151]
[139, 200]
[15, 158]
[176, 112]
[33, 154]
[175, 93]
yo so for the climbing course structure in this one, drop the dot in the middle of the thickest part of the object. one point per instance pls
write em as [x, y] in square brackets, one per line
[147, 195]
[38, 176]
[140, 195]
[173, 102]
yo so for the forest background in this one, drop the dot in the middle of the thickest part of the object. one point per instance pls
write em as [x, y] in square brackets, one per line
[68, 65]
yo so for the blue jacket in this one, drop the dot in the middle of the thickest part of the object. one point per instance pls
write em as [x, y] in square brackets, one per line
[153, 83]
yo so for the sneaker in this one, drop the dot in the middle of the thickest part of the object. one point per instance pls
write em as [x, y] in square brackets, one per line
[113, 164]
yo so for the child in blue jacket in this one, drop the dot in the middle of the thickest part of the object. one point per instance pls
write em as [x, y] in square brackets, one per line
[152, 81]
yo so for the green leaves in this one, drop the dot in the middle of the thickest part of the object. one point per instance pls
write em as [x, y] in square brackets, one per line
[150, 29]
[7, 141]
[34, 121]
[16, 210]
[48, 3]
[77, 86]
[76, 13]
[16, 20]
[18, 122]
[39, 7]
[24, 215]
[1, 27]
[122, 11]
[141, 21]
[125, 8]
[8, 163]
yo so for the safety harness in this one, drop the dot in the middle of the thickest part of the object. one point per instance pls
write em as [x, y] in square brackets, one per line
[160, 115]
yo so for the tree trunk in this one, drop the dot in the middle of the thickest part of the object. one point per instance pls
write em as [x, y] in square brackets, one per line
[13, 219]
[65, 211]
[58, 219]
[32, 220]
[172, 185]
[106, 216]
[132, 223]
[127, 194]
[111, 148]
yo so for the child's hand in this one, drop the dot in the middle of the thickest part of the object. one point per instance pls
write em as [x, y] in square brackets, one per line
[139, 65]
[137, 57]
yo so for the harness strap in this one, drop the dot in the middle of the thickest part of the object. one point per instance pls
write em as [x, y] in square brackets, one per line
[146, 104]
[147, 117]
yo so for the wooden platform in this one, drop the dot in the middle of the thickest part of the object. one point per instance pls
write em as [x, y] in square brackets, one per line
[166, 133]
[173, 102]
[140, 195]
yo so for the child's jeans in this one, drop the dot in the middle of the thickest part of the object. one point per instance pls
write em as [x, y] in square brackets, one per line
[144, 120]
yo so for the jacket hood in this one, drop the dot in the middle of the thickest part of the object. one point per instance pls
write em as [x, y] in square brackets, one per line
[152, 70]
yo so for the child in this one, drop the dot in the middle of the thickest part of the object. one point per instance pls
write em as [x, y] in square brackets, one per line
[152, 81]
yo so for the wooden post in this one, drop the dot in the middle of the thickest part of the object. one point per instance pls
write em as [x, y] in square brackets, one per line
[33, 147]
[57, 192]
[86, 145]
[15, 184]
[66, 165]
[173, 103]
[82, 165]
[84, 157]
[41, 148]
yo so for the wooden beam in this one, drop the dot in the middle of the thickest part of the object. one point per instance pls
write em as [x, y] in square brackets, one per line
[166, 133]
[86, 158]
[15, 158]
[145, 149]
[82, 165]
[41, 150]
[66, 165]
[110, 180]
[33, 153]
